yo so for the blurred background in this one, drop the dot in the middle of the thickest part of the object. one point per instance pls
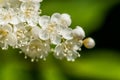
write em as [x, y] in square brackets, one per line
[100, 19]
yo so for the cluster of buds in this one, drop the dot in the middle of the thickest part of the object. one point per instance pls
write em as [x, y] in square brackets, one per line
[22, 26]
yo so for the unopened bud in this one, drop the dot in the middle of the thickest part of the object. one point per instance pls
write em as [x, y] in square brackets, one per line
[89, 43]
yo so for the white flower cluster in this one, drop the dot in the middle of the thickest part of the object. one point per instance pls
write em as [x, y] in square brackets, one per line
[23, 27]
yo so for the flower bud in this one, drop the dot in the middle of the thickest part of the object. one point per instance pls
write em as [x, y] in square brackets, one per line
[89, 43]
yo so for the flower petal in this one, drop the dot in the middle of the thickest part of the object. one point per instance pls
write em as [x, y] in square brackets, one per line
[67, 33]
[72, 55]
[43, 21]
[55, 38]
[78, 32]
[66, 19]
[55, 18]
[7, 27]
[59, 51]
[44, 35]
[11, 39]
[35, 30]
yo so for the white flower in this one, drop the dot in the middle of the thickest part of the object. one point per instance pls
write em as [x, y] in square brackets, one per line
[61, 19]
[8, 16]
[7, 37]
[55, 30]
[29, 13]
[20, 31]
[25, 33]
[36, 49]
[49, 30]
[30, 6]
[68, 50]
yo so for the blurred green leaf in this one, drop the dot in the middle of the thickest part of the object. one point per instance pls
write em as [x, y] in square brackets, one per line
[100, 64]
[14, 71]
[50, 71]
